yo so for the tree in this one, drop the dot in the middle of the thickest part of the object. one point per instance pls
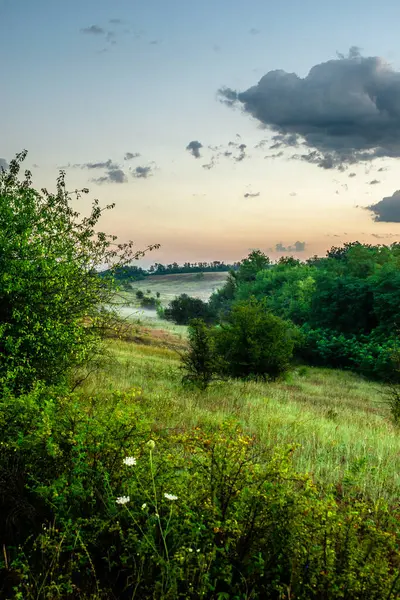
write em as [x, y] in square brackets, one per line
[199, 363]
[249, 267]
[253, 341]
[52, 299]
[184, 308]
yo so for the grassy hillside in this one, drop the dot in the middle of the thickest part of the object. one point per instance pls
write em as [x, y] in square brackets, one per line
[192, 284]
[338, 421]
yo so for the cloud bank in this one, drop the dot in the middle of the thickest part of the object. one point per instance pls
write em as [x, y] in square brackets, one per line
[387, 210]
[345, 111]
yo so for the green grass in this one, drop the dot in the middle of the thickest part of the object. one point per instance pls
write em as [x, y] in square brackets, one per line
[338, 420]
[170, 286]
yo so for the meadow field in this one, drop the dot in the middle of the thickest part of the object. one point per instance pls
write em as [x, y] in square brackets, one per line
[338, 422]
[197, 285]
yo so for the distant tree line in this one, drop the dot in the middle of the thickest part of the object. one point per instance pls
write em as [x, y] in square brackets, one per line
[132, 273]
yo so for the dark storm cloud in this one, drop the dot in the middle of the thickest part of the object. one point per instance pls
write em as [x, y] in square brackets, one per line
[374, 182]
[3, 163]
[194, 148]
[251, 195]
[113, 176]
[345, 111]
[387, 210]
[131, 155]
[142, 172]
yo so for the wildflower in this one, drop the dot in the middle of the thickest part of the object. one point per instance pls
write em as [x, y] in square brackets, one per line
[170, 497]
[144, 506]
[151, 444]
[122, 500]
[129, 461]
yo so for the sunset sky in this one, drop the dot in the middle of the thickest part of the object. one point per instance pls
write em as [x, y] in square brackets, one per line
[216, 127]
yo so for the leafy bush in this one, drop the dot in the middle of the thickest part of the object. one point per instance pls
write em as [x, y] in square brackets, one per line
[367, 355]
[96, 505]
[148, 302]
[52, 298]
[185, 308]
[200, 363]
[254, 342]
[139, 294]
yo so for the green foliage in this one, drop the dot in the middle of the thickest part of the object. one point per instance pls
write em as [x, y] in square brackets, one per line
[139, 294]
[247, 271]
[200, 363]
[184, 308]
[149, 302]
[96, 505]
[250, 266]
[52, 299]
[126, 273]
[254, 342]
[392, 397]
[371, 357]
[348, 303]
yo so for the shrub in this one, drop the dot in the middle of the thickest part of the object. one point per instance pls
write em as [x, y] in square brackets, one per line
[139, 294]
[184, 308]
[254, 342]
[200, 363]
[370, 356]
[52, 299]
[148, 302]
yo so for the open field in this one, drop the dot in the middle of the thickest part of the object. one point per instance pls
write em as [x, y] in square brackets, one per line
[338, 421]
[170, 286]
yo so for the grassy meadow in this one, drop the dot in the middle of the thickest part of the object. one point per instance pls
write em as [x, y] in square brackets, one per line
[197, 285]
[338, 421]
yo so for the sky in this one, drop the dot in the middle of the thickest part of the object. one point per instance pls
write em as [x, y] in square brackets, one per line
[215, 127]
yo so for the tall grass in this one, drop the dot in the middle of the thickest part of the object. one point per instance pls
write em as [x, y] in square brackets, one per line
[338, 421]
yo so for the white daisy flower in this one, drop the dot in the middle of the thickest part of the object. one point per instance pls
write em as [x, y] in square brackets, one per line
[170, 497]
[122, 500]
[144, 506]
[130, 461]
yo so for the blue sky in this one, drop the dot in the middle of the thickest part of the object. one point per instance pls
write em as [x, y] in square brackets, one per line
[148, 84]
